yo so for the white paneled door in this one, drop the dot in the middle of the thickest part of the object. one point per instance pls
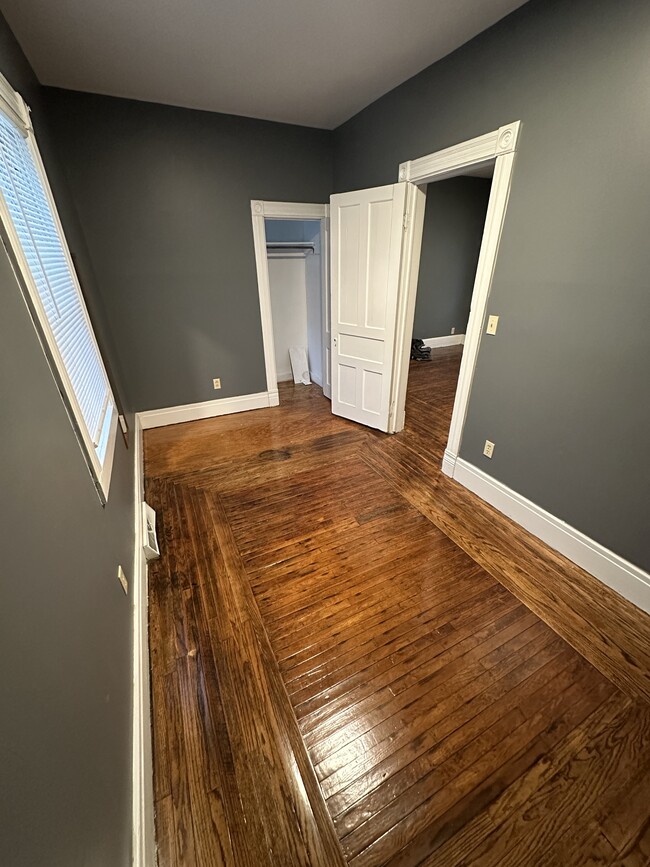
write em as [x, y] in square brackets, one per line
[366, 249]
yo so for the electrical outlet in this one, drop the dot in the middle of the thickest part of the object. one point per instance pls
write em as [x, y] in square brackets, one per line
[216, 382]
[488, 449]
[493, 321]
[123, 581]
[453, 330]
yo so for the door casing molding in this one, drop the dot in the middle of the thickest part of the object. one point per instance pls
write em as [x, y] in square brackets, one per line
[497, 148]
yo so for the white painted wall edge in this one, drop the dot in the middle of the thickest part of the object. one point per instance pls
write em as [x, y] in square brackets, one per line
[143, 837]
[624, 577]
[207, 409]
[446, 340]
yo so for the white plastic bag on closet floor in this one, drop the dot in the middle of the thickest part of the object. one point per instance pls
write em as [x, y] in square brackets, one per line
[299, 364]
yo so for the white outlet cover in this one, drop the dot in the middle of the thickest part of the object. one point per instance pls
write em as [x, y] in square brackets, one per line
[488, 449]
[216, 382]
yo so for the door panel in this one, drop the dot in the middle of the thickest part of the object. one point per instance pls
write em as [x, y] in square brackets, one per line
[366, 244]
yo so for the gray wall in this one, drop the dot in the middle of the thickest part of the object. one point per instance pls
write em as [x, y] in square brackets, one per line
[563, 388]
[164, 195]
[65, 624]
[451, 239]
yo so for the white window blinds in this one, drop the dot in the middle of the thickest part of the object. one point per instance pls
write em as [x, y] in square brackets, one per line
[62, 311]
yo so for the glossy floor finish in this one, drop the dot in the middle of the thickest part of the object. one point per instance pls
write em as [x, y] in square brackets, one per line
[349, 665]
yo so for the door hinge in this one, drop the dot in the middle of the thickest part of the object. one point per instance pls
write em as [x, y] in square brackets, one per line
[405, 221]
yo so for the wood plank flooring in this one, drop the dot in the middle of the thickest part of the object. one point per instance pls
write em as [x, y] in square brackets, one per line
[356, 661]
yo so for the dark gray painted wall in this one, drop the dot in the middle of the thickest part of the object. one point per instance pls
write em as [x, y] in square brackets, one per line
[451, 239]
[164, 195]
[65, 624]
[563, 388]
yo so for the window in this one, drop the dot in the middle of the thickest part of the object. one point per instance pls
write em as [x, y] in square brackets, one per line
[34, 235]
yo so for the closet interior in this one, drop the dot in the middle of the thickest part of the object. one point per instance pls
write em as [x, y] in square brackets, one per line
[294, 257]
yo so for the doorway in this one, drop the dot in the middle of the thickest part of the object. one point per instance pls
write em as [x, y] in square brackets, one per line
[375, 250]
[293, 251]
[291, 256]
[454, 222]
[496, 149]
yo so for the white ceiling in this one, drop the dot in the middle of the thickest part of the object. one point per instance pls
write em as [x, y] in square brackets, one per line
[314, 62]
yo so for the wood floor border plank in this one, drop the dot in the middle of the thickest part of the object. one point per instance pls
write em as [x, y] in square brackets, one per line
[314, 820]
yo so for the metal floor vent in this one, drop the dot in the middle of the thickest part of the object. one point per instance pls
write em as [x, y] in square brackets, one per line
[150, 540]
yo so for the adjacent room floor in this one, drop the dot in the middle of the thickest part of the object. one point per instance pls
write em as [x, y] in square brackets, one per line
[355, 661]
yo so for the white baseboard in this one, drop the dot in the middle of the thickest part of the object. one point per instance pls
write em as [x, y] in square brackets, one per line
[446, 340]
[622, 576]
[448, 463]
[144, 842]
[207, 409]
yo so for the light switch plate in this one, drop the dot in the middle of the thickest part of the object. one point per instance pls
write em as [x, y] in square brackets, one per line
[493, 321]
[123, 581]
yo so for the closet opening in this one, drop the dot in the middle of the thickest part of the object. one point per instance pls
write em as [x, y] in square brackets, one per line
[291, 254]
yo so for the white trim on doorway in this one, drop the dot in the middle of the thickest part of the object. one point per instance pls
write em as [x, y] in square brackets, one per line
[288, 211]
[495, 148]
[143, 839]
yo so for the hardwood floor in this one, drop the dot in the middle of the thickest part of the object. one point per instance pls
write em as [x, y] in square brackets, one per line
[356, 661]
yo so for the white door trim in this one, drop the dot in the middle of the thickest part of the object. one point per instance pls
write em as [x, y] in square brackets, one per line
[497, 147]
[288, 211]
[143, 841]
[416, 200]
[326, 307]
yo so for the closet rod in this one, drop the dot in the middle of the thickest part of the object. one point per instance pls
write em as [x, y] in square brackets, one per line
[288, 245]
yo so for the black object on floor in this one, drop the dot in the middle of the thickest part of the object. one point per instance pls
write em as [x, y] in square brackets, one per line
[420, 352]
